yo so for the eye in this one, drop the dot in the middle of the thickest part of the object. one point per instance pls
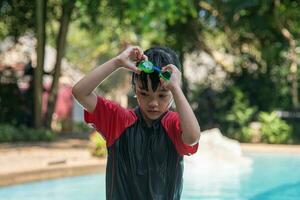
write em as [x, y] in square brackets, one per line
[162, 96]
[143, 93]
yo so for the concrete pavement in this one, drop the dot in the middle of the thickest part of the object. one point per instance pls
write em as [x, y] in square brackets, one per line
[26, 162]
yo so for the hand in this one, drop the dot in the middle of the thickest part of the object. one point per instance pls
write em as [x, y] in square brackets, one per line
[130, 57]
[175, 78]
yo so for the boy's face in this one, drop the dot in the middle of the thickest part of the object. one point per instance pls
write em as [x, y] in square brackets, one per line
[152, 103]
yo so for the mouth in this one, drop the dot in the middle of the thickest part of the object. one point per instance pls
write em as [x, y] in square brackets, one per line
[153, 111]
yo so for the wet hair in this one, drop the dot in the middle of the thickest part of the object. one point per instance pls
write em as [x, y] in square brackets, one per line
[160, 56]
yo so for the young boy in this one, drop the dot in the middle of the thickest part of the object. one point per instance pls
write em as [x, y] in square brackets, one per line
[145, 145]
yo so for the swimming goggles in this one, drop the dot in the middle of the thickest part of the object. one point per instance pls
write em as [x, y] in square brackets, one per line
[148, 67]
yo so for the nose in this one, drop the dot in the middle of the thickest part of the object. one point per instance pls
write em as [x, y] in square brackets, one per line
[153, 103]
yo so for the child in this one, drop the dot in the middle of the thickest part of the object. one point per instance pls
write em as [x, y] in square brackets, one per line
[145, 145]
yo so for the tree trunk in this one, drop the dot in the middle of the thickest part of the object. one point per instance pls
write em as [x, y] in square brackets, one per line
[293, 67]
[38, 72]
[65, 19]
[293, 55]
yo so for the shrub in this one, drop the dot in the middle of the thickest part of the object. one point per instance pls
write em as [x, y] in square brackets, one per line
[9, 133]
[98, 145]
[274, 129]
[81, 127]
[239, 117]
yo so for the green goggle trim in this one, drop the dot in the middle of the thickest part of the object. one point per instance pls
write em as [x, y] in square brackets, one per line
[148, 67]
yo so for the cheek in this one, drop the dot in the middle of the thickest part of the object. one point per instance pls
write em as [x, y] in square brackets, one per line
[164, 103]
[141, 101]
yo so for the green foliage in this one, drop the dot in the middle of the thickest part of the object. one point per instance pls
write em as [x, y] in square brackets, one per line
[250, 31]
[9, 133]
[232, 112]
[254, 35]
[9, 105]
[81, 127]
[88, 49]
[142, 22]
[149, 15]
[16, 17]
[98, 145]
[239, 116]
[274, 129]
[253, 32]
[240, 111]
[16, 107]
[228, 109]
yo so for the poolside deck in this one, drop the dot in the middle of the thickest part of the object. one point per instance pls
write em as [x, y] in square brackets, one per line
[271, 148]
[37, 161]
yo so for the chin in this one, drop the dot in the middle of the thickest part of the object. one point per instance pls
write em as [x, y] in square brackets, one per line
[153, 116]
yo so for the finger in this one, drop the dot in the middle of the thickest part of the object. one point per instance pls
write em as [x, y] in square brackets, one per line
[136, 53]
[132, 54]
[162, 83]
[169, 70]
[145, 57]
[136, 70]
[131, 66]
[168, 67]
[131, 49]
[138, 49]
[140, 52]
[140, 56]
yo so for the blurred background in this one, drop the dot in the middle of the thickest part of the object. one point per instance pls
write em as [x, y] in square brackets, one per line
[239, 64]
[240, 60]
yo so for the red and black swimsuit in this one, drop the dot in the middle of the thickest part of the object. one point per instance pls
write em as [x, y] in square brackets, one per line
[143, 162]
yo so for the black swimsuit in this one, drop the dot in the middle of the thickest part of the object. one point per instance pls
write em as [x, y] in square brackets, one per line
[143, 162]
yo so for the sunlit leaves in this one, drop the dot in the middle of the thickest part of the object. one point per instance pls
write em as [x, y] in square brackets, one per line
[17, 17]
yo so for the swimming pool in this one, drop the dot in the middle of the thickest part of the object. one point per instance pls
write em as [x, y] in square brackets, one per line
[270, 177]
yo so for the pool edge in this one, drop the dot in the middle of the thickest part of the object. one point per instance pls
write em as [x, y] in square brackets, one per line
[49, 173]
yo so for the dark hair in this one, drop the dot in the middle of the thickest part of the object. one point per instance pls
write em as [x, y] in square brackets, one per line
[159, 56]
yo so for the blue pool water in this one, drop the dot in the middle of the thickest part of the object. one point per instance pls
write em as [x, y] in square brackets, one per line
[270, 177]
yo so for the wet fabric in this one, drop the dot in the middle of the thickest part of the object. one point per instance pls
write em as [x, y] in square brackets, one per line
[143, 162]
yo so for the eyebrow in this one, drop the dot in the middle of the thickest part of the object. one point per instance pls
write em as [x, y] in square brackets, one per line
[163, 90]
[141, 88]
[144, 90]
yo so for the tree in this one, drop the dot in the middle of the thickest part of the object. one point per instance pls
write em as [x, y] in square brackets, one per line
[13, 22]
[184, 35]
[17, 27]
[260, 34]
[286, 23]
[67, 8]
[41, 6]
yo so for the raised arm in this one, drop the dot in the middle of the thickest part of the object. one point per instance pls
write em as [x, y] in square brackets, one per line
[188, 121]
[83, 91]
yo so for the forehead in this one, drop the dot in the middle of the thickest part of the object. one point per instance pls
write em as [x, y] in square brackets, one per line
[159, 88]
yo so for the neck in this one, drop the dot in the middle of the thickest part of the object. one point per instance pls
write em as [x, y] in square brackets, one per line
[148, 121]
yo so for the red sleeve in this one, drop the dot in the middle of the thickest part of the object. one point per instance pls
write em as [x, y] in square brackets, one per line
[171, 123]
[110, 119]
